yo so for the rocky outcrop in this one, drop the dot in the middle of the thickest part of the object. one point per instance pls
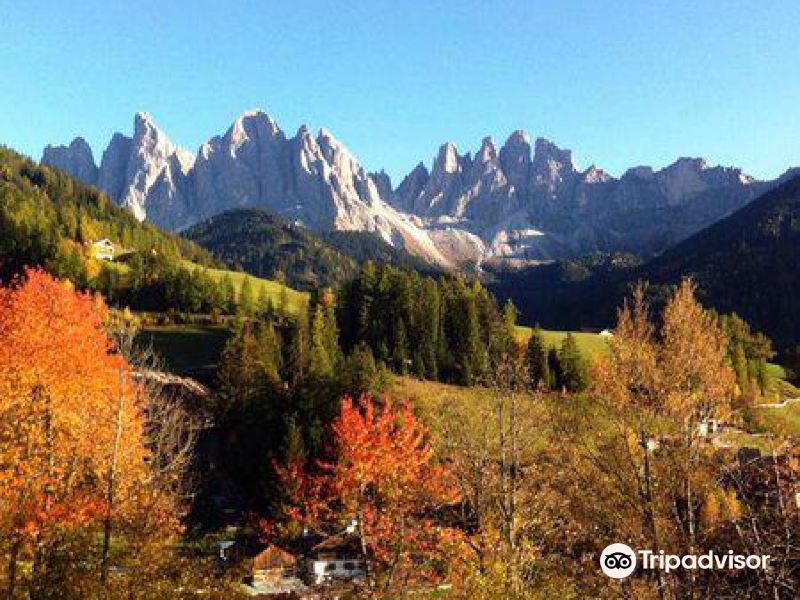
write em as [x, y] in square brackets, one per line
[75, 159]
[148, 174]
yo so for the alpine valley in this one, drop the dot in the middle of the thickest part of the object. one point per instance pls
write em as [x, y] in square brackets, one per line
[519, 203]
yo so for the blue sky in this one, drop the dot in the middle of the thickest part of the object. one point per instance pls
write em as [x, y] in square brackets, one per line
[621, 83]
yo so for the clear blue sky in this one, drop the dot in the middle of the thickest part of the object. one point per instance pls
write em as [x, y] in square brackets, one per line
[621, 83]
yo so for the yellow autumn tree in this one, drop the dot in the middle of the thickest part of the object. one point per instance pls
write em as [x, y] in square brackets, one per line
[645, 464]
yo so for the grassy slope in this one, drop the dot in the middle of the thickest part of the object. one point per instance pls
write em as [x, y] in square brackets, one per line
[272, 288]
[590, 344]
[194, 350]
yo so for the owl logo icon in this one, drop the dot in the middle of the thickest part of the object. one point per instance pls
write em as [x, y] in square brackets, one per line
[618, 561]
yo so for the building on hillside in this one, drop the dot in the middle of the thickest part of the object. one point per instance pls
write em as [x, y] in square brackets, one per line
[338, 558]
[273, 566]
[708, 427]
[606, 333]
[103, 249]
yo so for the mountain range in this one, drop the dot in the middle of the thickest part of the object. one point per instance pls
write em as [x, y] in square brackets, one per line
[745, 263]
[520, 202]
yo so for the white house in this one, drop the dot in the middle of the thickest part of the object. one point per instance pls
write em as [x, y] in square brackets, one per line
[337, 558]
[606, 333]
[103, 249]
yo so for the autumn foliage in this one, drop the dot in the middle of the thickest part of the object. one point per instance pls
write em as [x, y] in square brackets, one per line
[381, 473]
[72, 439]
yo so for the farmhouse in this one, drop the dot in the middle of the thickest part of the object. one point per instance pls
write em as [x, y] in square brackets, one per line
[337, 558]
[103, 249]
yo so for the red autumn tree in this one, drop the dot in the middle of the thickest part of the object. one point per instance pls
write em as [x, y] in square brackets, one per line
[383, 475]
[71, 429]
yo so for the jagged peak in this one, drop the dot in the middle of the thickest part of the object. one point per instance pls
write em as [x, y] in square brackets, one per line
[488, 150]
[640, 171]
[518, 138]
[595, 175]
[686, 162]
[447, 160]
[546, 152]
[252, 120]
[79, 142]
[255, 112]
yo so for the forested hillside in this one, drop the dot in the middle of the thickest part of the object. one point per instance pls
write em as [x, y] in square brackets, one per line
[266, 245]
[49, 219]
[745, 264]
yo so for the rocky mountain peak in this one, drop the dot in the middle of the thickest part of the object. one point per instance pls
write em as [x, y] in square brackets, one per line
[514, 201]
[76, 159]
[447, 160]
[488, 151]
[595, 175]
[252, 125]
[546, 153]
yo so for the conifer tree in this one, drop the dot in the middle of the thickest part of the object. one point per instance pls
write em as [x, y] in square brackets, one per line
[246, 299]
[574, 373]
[360, 373]
[269, 353]
[400, 350]
[297, 365]
[320, 361]
[228, 294]
[539, 373]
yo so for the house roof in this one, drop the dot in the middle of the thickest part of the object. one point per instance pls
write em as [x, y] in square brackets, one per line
[346, 544]
[273, 557]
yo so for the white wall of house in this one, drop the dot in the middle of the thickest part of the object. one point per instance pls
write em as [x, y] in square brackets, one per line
[324, 569]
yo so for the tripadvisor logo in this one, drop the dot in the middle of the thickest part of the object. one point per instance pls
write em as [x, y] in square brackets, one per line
[618, 561]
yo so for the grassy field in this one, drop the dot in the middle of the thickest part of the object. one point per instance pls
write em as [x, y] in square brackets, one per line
[294, 299]
[191, 350]
[590, 344]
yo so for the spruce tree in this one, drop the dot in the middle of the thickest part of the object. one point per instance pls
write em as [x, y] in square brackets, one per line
[228, 294]
[539, 373]
[269, 353]
[574, 374]
[246, 298]
[360, 373]
[320, 362]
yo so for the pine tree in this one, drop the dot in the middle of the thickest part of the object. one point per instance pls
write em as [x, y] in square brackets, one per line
[360, 373]
[297, 366]
[574, 373]
[320, 361]
[269, 353]
[539, 372]
[228, 294]
[246, 298]
[294, 447]
[400, 350]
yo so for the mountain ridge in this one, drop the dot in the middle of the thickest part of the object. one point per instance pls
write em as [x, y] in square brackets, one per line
[518, 201]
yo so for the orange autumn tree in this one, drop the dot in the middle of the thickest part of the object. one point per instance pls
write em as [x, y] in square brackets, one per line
[65, 431]
[383, 475]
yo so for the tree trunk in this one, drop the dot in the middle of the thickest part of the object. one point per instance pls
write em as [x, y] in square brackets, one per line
[111, 484]
[12, 568]
[648, 507]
